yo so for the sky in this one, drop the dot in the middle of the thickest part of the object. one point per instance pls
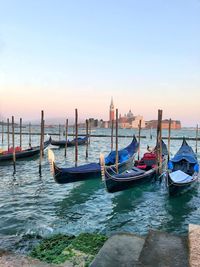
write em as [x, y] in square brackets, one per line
[60, 55]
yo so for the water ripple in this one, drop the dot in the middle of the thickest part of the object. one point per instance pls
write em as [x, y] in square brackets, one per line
[30, 204]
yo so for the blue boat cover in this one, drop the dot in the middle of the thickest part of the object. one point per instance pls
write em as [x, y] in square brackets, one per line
[180, 177]
[185, 152]
[90, 167]
[123, 154]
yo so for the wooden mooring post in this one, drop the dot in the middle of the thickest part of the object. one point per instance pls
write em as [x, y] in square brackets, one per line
[197, 131]
[139, 134]
[116, 143]
[29, 135]
[151, 133]
[112, 130]
[169, 137]
[41, 142]
[59, 130]
[159, 142]
[8, 133]
[89, 130]
[66, 136]
[20, 132]
[2, 132]
[13, 145]
[87, 141]
[76, 137]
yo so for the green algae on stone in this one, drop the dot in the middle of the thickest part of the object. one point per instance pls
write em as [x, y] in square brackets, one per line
[59, 248]
[89, 243]
[50, 249]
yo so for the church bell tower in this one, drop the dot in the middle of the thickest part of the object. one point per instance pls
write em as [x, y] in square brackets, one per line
[112, 112]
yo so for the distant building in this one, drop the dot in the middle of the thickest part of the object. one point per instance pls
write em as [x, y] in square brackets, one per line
[131, 121]
[175, 124]
[105, 124]
[136, 122]
[93, 122]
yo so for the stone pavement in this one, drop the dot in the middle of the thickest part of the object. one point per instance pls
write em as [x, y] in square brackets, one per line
[121, 250]
[164, 250]
[157, 250]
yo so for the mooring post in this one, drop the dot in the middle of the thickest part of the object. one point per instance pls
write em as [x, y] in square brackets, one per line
[116, 142]
[151, 133]
[43, 122]
[158, 140]
[8, 134]
[169, 137]
[29, 135]
[112, 131]
[76, 138]
[59, 131]
[139, 134]
[90, 130]
[66, 136]
[2, 130]
[41, 142]
[87, 141]
[197, 130]
[160, 143]
[13, 145]
[20, 132]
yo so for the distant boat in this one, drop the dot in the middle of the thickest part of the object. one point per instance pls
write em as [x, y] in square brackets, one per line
[93, 170]
[62, 143]
[21, 154]
[183, 170]
[144, 170]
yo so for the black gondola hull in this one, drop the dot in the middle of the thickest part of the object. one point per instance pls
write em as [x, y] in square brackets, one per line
[137, 175]
[93, 170]
[180, 188]
[63, 176]
[62, 143]
[115, 185]
[185, 163]
[35, 151]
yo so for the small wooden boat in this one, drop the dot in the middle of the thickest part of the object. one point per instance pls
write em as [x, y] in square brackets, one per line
[22, 154]
[183, 170]
[62, 143]
[93, 170]
[144, 170]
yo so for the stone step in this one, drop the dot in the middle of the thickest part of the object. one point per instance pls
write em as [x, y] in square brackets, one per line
[120, 250]
[164, 250]
[194, 245]
[159, 249]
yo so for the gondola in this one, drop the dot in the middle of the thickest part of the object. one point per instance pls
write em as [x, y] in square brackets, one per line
[62, 143]
[144, 170]
[183, 170]
[93, 170]
[22, 154]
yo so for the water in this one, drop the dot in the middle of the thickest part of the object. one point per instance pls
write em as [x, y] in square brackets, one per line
[35, 205]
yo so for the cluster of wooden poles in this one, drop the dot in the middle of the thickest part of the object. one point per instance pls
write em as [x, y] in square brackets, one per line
[159, 140]
[20, 139]
[88, 128]
[42, 126]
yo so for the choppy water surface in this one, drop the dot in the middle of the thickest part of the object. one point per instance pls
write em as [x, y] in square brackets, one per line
[30, 204]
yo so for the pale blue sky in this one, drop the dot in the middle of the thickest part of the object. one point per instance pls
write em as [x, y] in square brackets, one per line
[146, 54]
